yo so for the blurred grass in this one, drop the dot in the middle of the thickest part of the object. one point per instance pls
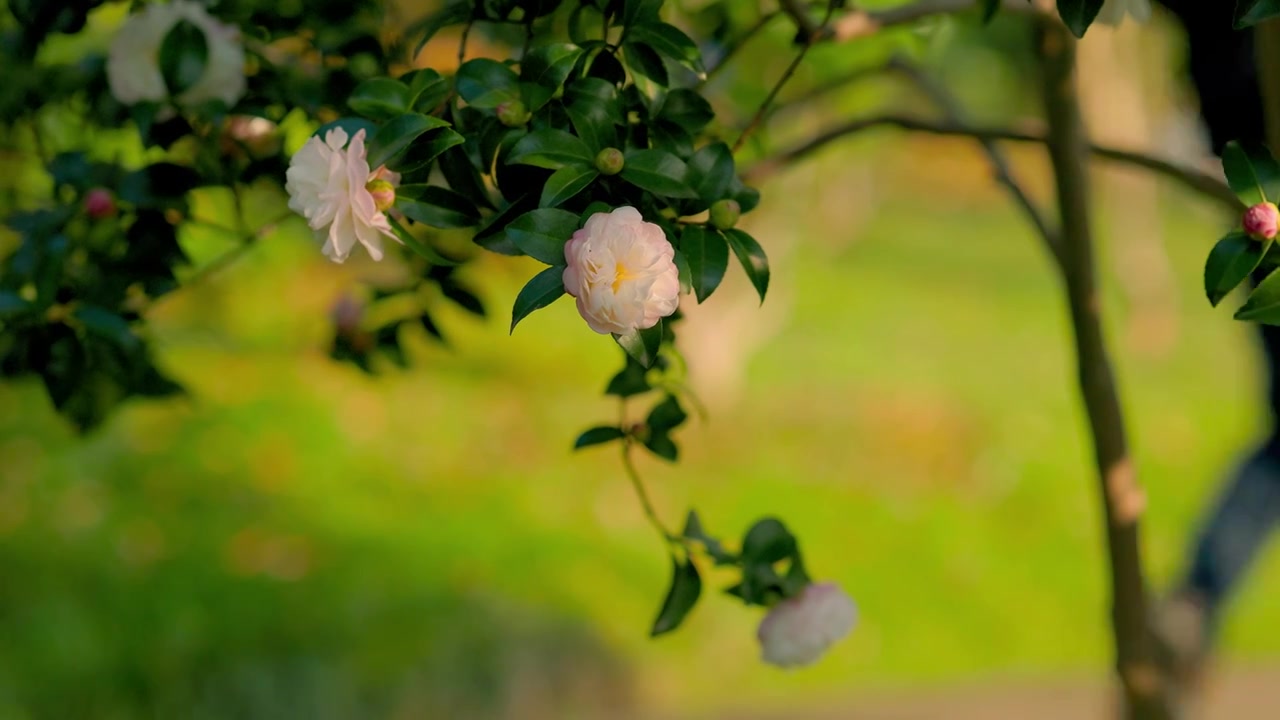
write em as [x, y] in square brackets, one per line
[299, 539]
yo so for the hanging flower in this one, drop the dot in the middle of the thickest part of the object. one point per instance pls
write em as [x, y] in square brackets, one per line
[133, 60]
[622, 272]
[329, 184]
[1113, 12]
[1262, 221]
[798, 630]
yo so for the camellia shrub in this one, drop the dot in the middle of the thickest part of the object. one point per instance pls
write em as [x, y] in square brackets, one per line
[591, 146]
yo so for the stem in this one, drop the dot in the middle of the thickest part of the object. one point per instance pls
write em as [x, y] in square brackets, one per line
[1122, 498]
[647, 505]
[773, 94]
[746, 37]
[1190, 178]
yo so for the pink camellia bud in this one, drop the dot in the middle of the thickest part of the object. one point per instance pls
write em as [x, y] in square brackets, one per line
[99, 203]
[383, 192]
[1262, 221]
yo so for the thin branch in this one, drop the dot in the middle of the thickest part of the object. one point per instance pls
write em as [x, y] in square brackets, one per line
[742, 40]
[462, 42]
[853, 76]
[999, 162]
[809, 30]
[1190, 178]
[861, 23]
[645, 503]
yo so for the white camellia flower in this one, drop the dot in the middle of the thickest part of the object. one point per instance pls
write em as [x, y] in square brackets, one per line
[1113, 12]
[798, 630]
[133, 60]
[329, 184]
[622, 272]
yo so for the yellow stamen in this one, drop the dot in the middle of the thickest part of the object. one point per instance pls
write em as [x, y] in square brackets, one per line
[619, 275]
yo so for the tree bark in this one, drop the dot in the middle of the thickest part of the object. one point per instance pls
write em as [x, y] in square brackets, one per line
[1144, 687]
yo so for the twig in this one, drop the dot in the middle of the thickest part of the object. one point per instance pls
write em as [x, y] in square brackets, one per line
[809, 30]
[462, 42]
[861, 23]
[746, 37]
[1121, 496]
[647, 505]
[999, 162]
[1190, 178]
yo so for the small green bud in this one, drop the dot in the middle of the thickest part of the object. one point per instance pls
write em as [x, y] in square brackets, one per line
[383, 192]
[609, 161]
[725, 214]
[513, 113]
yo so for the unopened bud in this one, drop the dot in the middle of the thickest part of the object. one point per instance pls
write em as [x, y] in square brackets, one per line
[383, 192]
[512, 113]
[609, 161]
[1262, 221]
[99, 203]
[725, 214]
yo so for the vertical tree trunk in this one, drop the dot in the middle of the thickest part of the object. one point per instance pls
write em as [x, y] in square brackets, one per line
[1145, 697]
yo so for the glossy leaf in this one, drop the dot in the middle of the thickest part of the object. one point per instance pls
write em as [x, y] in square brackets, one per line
[1079, 14]
[545, 288]
[657, 171]
[1252, 12]
[394, 137]
[108, 326]
[437, 207]
[598, 436]
[631, 380]
[642, 345]
[711, 172]
[1263, 304]
[687, 109]
[1252, 173]
[666, 415]
[565, 183]
[670, 42]
[541, 234]
[686, 588]
[754, 261]
[427, 89]
[548, 66]
[486, 83]
[381, 98]
[183, 57]
[644, 60]
[1229, 263]
[551, 149]
[423, 249]
[708, 256]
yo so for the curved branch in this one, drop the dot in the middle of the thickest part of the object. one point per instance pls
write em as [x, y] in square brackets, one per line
[1190, 178]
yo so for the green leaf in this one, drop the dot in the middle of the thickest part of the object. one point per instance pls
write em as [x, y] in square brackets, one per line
[684, 272]
[708, 256]
[548, 67]
[545, 288]
[1252, 12]
[350, 125]
[631, 380]
[635, 12]
[13, 306]
[1252, 173]
[394, 137]
[381, 98]
[1079, 14]
[108, 326]
[541, 234]
[486, 83]
[1263, 304]
[989, 9]
[463, 176]
[657, 171]
[670, 42]
[645, 61]
[427, 89]
[767, 542]
[551, 149]
[1229, 263]
[436, 206]
[686, 587]
[598, 436]
[666, 415]
[421, 153]
[711, 172]
[452, 14]
[642, 345]
[693, 531]
[184, 55]
[593, 109]
[687, 109]
[422, 249]
[565, 183]
[751, 255]
[492, 235]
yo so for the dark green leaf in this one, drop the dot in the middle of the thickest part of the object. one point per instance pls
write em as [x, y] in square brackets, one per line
[551, 149]
[184, 55]
[381, 98]
[598, 436]
[711, 172]
[666, 415]
[1263, 304]
[686, 587]
[463, 298]
[687, 109]
[635, 12]
[684, 272]
[767, 542]
[427, 89]
[751, 255]
[451, 14]
[423, 250]
[645, 61]
[989, 9]
[1229, 263]
[1252, 173]
[642, 344]
[486, 83]
[693, 531]
[492, 235]
[565, 183]
[463, 176]
[394, 137]
[350, 125]
[670, 42]
[545, 288]
[663, 446]
[708, 256]
[108, 326]
[659, 172]
[13, 306]
[420, 154]
[629, 381]
[549, 66]
[437, 207]
[1252, 12]
[541, 234]
[1079, 14]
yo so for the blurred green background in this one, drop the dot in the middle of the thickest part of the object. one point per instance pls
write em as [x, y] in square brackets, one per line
[298, 539]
